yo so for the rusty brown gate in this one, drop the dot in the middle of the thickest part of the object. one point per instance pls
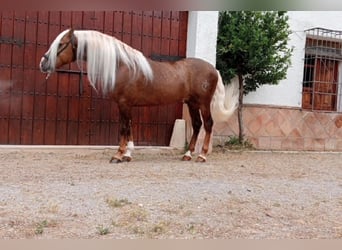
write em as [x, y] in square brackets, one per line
[54, 112]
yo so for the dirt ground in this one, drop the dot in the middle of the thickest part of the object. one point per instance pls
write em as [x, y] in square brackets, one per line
[54, 193]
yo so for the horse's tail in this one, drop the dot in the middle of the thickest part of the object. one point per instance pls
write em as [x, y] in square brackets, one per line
[225, 99]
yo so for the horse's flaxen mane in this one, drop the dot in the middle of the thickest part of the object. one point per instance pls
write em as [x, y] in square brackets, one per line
[103, 55]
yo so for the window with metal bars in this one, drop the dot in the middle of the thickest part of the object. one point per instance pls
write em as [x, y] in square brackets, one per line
[322, 70]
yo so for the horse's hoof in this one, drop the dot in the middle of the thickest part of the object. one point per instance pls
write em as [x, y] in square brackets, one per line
[126, 158]
[186, 158]
[201, 158]
[115, 160]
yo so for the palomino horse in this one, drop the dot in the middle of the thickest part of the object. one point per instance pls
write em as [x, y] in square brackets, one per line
[131, 80]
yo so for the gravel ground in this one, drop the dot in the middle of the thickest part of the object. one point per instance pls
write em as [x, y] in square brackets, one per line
[56, 193]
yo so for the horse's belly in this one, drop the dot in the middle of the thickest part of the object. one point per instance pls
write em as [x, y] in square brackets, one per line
[160, 97]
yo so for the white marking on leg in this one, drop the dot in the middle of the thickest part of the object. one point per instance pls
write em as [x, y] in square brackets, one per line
[130, 145]
[203, 157]
[188, 153]
[130, 148]
[128, 153]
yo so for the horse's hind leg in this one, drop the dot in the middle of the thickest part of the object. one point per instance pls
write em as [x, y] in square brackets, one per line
[196, 126]
[208, 125]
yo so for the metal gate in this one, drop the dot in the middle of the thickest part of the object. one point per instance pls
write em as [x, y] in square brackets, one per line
[34, 111]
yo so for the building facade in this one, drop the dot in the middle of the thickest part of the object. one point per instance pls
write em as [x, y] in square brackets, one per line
[302, 112]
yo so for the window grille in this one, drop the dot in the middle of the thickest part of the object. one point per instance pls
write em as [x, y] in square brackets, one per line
[322, 70]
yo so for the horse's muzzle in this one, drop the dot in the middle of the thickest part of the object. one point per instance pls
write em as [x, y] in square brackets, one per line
[43, 65]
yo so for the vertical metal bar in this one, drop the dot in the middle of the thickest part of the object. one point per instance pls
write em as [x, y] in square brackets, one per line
[314, 74]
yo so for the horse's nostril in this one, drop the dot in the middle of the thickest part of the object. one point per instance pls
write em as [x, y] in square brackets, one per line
[43, 64]
[43, 68]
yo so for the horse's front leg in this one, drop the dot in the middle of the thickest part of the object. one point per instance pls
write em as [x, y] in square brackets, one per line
[125, 133]
[119, 155]
[127, 156]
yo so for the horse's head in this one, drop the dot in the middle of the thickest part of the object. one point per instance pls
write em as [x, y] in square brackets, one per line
[62, 51]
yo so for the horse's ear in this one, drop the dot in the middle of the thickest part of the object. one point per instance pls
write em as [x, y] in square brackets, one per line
[71, 32]
[72, 38]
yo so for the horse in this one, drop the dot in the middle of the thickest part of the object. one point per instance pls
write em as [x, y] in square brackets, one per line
[131, 79]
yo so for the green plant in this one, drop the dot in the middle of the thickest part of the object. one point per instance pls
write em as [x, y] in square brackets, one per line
[115, 203]
[102, 230]
[235, 143]
[160, 228]
[40, 227]
[191, 228]
[186, 147]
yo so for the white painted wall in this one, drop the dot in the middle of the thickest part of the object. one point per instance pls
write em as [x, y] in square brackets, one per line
[288, 91]
[201, 43]
[202, 35]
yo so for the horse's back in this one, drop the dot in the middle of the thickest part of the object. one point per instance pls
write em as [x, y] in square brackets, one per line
[190, 78]
[183, 80]
[201, 64]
